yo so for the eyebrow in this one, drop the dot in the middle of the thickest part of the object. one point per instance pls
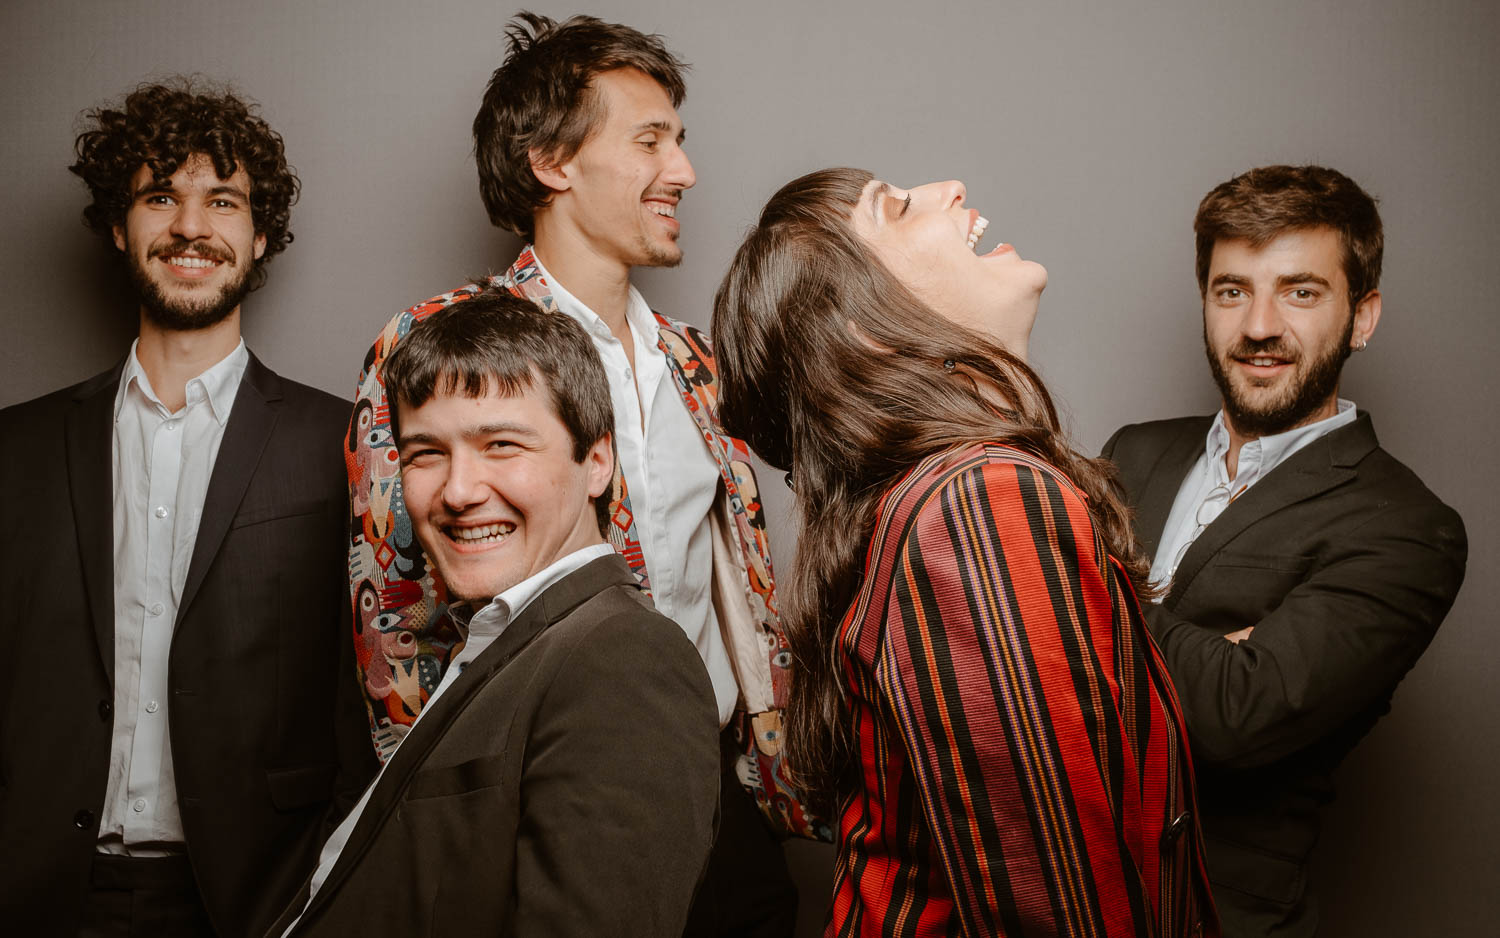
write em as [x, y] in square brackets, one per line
[1234, 280]
[663, 126]
[1306, 276]
[221, 189]
[469, 433]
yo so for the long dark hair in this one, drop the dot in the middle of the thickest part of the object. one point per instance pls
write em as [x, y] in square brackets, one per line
[830, 368]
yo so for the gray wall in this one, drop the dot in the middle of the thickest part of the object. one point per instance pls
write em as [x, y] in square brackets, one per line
[1087, 133]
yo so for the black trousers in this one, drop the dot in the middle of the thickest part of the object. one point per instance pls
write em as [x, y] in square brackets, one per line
[747, 891]
[143, 897]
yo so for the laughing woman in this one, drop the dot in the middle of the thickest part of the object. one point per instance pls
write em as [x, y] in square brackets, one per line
[974, 687]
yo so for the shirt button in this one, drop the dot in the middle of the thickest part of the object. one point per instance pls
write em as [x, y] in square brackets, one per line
[161, 511]
[152, 707]
[105, 710]
[171, 425]
[627, 372]
[83, 820]
[157, 609]
[139, 806]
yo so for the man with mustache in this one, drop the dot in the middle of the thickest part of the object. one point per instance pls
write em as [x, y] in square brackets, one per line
[1302, 569]
[580, 152]
[179, 728]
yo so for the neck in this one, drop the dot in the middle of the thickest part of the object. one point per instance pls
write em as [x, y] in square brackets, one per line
[1238, 438]
[602, 283]
[171, 358]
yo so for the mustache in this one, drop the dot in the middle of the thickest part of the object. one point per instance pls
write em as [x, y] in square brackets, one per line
[1268, 348]
[200, 248]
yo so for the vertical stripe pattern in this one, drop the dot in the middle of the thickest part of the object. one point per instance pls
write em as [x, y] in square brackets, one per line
[1021, 756]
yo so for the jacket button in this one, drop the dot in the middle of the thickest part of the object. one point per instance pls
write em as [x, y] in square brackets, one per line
[1175, 829]
[105, 710]
[83, 820]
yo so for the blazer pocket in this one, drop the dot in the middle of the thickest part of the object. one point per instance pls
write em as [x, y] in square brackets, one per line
[257, 514]
[297, 788]
[483, 772]
[1267, 876]
[1282, 563]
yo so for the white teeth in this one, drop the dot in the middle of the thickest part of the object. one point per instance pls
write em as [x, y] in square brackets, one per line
[663, 209]
[977, 232]
[183, 260]
[1264, 362]
[485, 533]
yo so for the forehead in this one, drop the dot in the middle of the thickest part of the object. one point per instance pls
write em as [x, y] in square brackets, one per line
[1303, 250]
[195, 173]
[455, 414]
[631, 97]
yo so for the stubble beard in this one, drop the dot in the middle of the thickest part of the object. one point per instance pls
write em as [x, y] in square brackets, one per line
[657, 255]
[185, 314]
[1306, 392]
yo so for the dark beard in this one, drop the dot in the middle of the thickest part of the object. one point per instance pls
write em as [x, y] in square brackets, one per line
[180, 315]
[1319, 383]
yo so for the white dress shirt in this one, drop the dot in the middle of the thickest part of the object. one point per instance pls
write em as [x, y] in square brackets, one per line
[671, 477]
[1207, 489]
[484, 627]
[162, 464]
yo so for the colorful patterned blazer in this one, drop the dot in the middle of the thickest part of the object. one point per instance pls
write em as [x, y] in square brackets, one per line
[402, 642]
[1022, 766]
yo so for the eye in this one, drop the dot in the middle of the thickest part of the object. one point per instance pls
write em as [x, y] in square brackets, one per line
[419, 457]
[649, 143]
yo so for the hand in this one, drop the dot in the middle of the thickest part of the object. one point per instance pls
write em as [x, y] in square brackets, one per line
[1239, 636]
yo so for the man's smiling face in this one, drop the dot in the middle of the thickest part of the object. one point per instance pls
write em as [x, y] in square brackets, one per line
[190, 244]
[618, 195]
[1277, 327]
[492, 488]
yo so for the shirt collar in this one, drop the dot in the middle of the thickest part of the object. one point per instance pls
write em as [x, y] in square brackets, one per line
[219, 384]
[490, 621]
[1261, 455]
[637, 311]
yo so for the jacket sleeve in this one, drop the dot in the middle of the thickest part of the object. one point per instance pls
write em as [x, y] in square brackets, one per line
[997, 666]
[1337, 644]
[620, 788]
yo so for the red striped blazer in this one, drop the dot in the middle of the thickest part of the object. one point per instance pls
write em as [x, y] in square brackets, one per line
[1022, 765]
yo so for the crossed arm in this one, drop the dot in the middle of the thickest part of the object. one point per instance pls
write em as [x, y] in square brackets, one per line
[1337, 644]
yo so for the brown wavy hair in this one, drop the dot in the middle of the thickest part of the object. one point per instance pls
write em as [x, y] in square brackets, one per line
[541, 100]
[829, 367]
[161, 126]
[1268, 201]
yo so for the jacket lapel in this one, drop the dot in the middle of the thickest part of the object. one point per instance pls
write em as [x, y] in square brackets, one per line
[1323, 464]
[555, 603]
[250, 425]
[1163, 481]
[89, 436]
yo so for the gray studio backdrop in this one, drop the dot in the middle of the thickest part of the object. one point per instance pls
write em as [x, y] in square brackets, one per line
[1086, 133]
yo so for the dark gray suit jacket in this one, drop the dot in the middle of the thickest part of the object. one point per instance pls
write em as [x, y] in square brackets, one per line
[565, 784]
[265, 719]
[1345, 564]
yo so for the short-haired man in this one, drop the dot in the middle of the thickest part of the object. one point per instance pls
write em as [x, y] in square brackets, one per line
[1303, 569]
[563, 777]
[579, 147]
[176, 543]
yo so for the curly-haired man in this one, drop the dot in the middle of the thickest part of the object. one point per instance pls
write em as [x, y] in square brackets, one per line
[170, 754]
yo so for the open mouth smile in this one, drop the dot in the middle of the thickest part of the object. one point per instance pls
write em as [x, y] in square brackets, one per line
[475, 535]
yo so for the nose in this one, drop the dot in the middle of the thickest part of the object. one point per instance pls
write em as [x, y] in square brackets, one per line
[1263, 318]
[679, 172]
[940, 195]
[190, 222]
[464, 486]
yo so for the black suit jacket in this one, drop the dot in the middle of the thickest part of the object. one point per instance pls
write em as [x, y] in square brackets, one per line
[565, 784]
[264, 709]
[1345, 564]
